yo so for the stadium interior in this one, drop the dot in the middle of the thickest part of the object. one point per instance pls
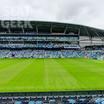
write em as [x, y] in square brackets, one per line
[51, 40]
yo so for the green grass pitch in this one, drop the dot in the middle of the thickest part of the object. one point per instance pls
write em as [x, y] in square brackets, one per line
[39, 75]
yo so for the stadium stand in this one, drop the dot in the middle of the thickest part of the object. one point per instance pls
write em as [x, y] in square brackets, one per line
[53, 100]
[94, 54]
[51, 40]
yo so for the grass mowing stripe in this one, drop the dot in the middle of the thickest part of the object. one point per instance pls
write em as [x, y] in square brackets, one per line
[7, 73]
[71, 68]
[20, 66]
[82, 71]
[30, 78]
[6, 63]
[57, 77]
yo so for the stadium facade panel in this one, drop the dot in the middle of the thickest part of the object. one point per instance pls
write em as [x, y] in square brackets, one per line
[47, 39]
[88, 35]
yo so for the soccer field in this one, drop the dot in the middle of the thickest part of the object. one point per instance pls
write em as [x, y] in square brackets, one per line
[27, 75]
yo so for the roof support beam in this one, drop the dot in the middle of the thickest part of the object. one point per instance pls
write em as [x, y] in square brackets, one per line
[51, 28]
[89, 35]
[23, 30]
[98, 35]
[9, 30]
[102, 35]
[79, 31]
[102, 38]
[87, 32]
[65, 29]
[37, 30]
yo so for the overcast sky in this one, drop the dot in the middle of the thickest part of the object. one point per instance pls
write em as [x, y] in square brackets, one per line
[86, 12]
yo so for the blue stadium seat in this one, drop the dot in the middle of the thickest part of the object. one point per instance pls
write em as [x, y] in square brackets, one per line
[18, 102]
[72, 101]
[31, 102]
[38, 102]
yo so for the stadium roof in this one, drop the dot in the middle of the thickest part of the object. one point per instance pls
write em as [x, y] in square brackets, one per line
[53, 27]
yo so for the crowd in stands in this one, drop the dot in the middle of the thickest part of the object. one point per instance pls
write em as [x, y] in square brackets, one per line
[37, 38]
[50, 54]
[53, 100]
[49, 50]
[40, 45]
[95, 47]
